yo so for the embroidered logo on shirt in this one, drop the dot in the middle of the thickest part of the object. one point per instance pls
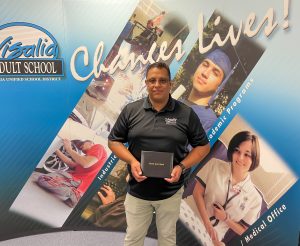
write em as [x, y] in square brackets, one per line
[170, 121]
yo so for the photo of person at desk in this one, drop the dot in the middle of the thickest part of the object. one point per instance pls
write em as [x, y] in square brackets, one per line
[224, 194]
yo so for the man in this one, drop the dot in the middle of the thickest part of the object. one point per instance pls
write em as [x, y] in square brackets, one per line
[70, 186]
[210, 76]
[211, 73]
[146, 125]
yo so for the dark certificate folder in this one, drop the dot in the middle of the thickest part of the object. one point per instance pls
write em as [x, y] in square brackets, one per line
[157, 164]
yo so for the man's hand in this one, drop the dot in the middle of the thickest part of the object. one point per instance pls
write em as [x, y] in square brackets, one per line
[110, 195]
[137, 171]
[175, 175]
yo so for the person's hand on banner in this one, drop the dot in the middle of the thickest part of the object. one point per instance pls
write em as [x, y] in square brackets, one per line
[219, 212]
[109, 197]
[67, 144]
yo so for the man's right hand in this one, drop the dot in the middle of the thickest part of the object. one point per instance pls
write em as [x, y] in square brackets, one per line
[137, 171]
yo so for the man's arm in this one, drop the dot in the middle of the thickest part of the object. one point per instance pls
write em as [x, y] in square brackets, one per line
[124, 154]
[83, 160]
[196, 155]
[193, 158]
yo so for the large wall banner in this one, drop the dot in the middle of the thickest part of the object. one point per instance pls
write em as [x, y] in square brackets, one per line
[68, 68]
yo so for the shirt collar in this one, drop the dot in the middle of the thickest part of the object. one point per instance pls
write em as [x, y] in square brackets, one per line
[245, 185]
[169, 107]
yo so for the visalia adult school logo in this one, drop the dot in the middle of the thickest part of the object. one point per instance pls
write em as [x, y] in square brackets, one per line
[28, 50]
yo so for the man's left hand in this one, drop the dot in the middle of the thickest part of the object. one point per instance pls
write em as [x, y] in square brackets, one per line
[175, 175]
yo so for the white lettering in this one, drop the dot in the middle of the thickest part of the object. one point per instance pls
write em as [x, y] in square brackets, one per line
[117, 63]
[269, 28]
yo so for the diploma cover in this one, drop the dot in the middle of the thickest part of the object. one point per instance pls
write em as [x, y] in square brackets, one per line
[157, 164]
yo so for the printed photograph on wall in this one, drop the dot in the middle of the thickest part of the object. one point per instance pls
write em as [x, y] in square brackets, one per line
[106, 209]
[240, 189]
[209, 81]
[63, 175]
[151, 24]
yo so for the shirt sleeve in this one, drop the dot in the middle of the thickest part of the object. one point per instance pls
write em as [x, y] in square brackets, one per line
[205, 171]
[119, 132]
[196, 133]
[97, 151]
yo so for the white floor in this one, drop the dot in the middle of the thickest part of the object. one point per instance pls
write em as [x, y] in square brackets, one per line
[74, 238]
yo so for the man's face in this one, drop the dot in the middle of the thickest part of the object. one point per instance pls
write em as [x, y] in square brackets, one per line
[158, 84]
[207, 77]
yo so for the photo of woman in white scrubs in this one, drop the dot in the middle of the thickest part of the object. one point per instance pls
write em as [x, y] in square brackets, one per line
[224, 195]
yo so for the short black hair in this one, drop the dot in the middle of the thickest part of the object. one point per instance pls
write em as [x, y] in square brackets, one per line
[242, 137]
[159, 65]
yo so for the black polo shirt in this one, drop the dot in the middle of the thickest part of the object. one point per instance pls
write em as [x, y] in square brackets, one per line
[170, 130]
